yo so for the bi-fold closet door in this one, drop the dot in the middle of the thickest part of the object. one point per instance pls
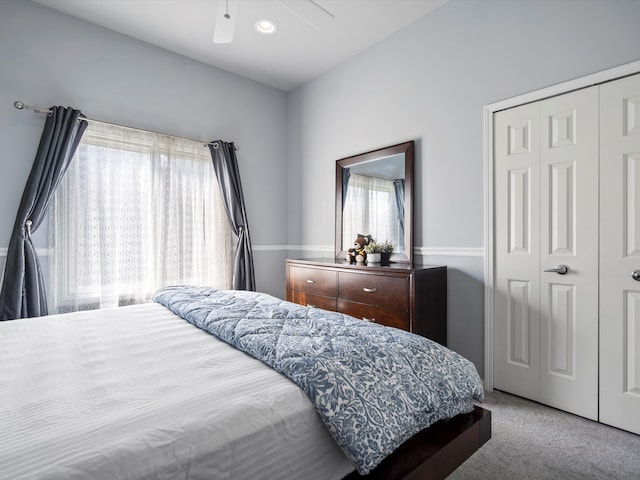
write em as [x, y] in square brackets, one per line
[546, 202]
[567, 239]
[620, 253]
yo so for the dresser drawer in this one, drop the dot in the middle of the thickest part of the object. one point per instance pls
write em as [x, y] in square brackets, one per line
[382, 291]
[315, 281]
[371, 313]
[311, 300]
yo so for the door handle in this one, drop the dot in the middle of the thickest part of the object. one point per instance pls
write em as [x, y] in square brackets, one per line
[559, 269]
[636, 275]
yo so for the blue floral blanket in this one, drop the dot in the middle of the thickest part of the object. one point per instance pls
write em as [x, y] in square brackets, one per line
[373, 386]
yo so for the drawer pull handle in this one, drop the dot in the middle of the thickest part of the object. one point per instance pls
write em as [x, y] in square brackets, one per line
[367, 319]
[311, 281]
[369, 290]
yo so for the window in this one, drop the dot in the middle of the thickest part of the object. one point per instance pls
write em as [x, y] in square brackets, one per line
[136, 211]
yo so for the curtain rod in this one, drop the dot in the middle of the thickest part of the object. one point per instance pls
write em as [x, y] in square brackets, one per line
[45, 111]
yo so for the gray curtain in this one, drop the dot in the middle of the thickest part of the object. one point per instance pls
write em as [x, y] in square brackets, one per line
[346, 175]
[23, 292]
[225, 165]
[398, 186]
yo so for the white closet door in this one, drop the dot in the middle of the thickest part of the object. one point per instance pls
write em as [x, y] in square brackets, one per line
[620, 254]
[546, 214]
[517, 250]
[569, 237]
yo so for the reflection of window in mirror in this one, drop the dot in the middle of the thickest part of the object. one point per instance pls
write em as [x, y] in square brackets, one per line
[374, 206]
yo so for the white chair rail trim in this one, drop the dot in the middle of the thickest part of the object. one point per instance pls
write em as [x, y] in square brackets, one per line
[424, 251]
[42, 252]
[449, 251]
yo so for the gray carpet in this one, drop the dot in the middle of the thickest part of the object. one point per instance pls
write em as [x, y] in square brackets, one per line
[531, 441]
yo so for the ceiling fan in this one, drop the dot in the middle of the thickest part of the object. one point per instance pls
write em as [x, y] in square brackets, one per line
[308, 10]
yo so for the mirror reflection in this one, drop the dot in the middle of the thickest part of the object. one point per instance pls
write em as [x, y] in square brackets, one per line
[373, 201]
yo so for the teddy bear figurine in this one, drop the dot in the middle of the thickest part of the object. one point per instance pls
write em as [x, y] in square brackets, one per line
[356, 254]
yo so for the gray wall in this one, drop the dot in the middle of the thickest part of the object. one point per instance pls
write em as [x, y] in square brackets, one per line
[429, 83]
[48, 58]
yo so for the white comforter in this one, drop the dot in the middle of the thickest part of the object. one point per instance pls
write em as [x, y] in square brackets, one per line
[138, 393]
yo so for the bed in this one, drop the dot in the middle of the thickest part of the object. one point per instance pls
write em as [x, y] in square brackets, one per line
[140, 392]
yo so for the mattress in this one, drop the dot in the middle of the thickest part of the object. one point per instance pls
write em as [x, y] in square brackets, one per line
[138, 393]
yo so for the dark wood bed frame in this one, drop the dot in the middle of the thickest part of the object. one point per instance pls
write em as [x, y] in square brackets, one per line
[437, 451]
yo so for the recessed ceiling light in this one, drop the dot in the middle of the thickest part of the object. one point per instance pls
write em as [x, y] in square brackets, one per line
[265, 26]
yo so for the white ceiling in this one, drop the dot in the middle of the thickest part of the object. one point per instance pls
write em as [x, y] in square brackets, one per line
[295, 54]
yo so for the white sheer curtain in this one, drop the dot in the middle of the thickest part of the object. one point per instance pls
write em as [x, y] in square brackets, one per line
[136, 211]
[370, 209]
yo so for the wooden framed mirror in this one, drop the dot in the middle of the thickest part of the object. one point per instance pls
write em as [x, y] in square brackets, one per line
[374, 196]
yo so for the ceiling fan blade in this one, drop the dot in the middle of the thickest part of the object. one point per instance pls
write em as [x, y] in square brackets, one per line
[309, 11]
[226, 21]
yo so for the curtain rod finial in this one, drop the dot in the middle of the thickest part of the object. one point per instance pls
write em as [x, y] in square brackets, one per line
[19, 105]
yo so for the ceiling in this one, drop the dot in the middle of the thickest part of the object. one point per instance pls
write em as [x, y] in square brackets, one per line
[295, 54]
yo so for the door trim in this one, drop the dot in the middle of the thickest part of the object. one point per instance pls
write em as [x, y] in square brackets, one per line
[554, 90]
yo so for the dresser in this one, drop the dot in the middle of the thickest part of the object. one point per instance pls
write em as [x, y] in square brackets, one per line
[399, 295]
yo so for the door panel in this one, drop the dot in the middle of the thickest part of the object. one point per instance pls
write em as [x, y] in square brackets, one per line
[519, 326]
[631, 225]
[519, 210]
[569, 236]
[562, 181]
[562, 331]
[620, 254]
[517, 176]
[631, 339]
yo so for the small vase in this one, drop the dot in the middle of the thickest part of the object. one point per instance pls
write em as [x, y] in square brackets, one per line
[385, 258]
[373, 258]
